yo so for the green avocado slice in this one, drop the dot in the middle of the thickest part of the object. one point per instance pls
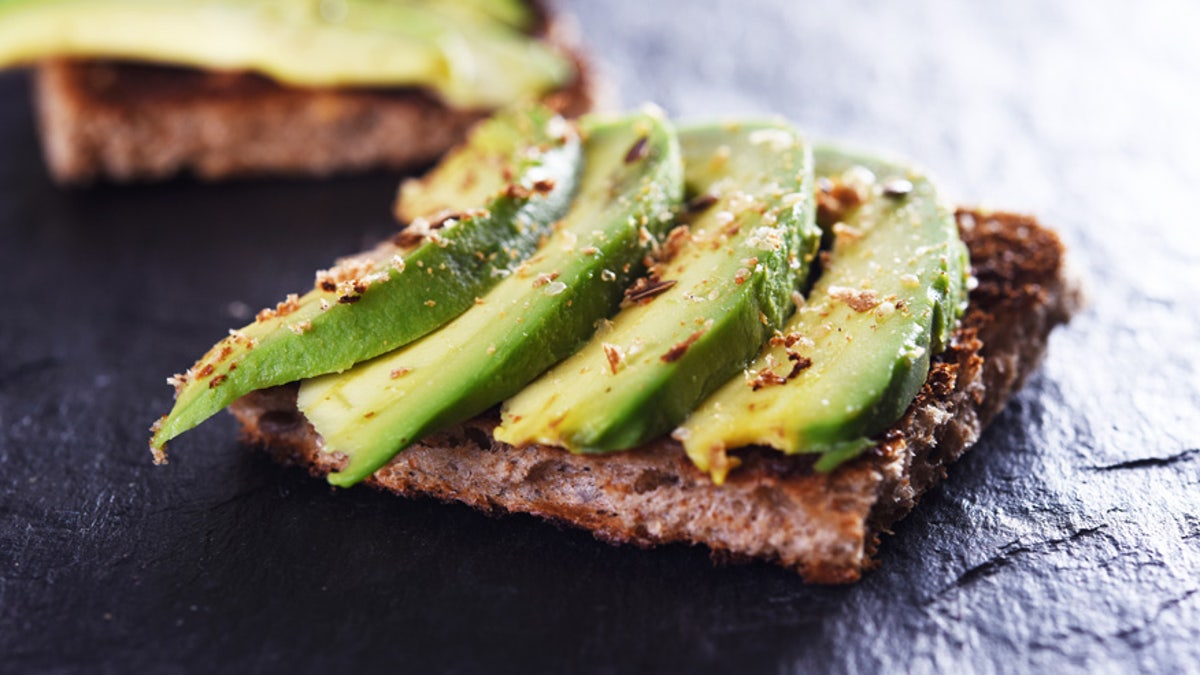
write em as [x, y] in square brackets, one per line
[467, 58]
[541, 313]
[516, 176]
[518, 14]
[888, 297]
[724, 283]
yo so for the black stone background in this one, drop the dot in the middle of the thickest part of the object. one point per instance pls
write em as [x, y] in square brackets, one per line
[1067, 541]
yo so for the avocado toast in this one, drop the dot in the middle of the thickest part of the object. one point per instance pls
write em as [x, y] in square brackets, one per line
[137, 90]
[815, 507]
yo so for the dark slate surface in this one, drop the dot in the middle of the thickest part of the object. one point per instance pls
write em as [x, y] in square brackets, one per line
[1069, 540]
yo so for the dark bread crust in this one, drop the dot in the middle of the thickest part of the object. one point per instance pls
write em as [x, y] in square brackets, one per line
[773, 507]
[126, 121]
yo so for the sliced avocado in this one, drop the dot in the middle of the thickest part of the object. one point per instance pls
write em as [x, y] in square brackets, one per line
[887, 299]
[542, 312]
[515, 176]
[477, 63]
[518, 14]
[724, 284]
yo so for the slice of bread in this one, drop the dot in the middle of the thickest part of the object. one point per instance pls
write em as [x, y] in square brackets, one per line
[773, 507]
[127, 122]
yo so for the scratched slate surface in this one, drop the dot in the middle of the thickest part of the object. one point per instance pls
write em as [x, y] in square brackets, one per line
[1067, 541]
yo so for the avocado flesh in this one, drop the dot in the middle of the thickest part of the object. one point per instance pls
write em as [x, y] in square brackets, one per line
[734, 278]
[478, 63]
[870, 353]
[409, 291]
[516, 14]
[539, 314]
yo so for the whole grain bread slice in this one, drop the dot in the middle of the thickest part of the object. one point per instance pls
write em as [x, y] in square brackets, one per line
[126, 121]
[773, 507]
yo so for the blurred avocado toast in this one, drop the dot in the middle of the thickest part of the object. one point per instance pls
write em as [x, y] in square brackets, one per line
[145, 89]
[719, 334]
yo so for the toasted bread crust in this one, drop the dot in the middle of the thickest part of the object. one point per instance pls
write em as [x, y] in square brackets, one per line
[773, 507]
[126, 122]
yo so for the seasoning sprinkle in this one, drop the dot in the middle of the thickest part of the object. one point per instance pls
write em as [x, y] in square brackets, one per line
[443, 219]
[675, 353]
[897, 188]
[544, 278]
[644, 289]
[614, 355]
[408, 237]
[769, 378]
[701, 203]
[858, 300]
[637, 150]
